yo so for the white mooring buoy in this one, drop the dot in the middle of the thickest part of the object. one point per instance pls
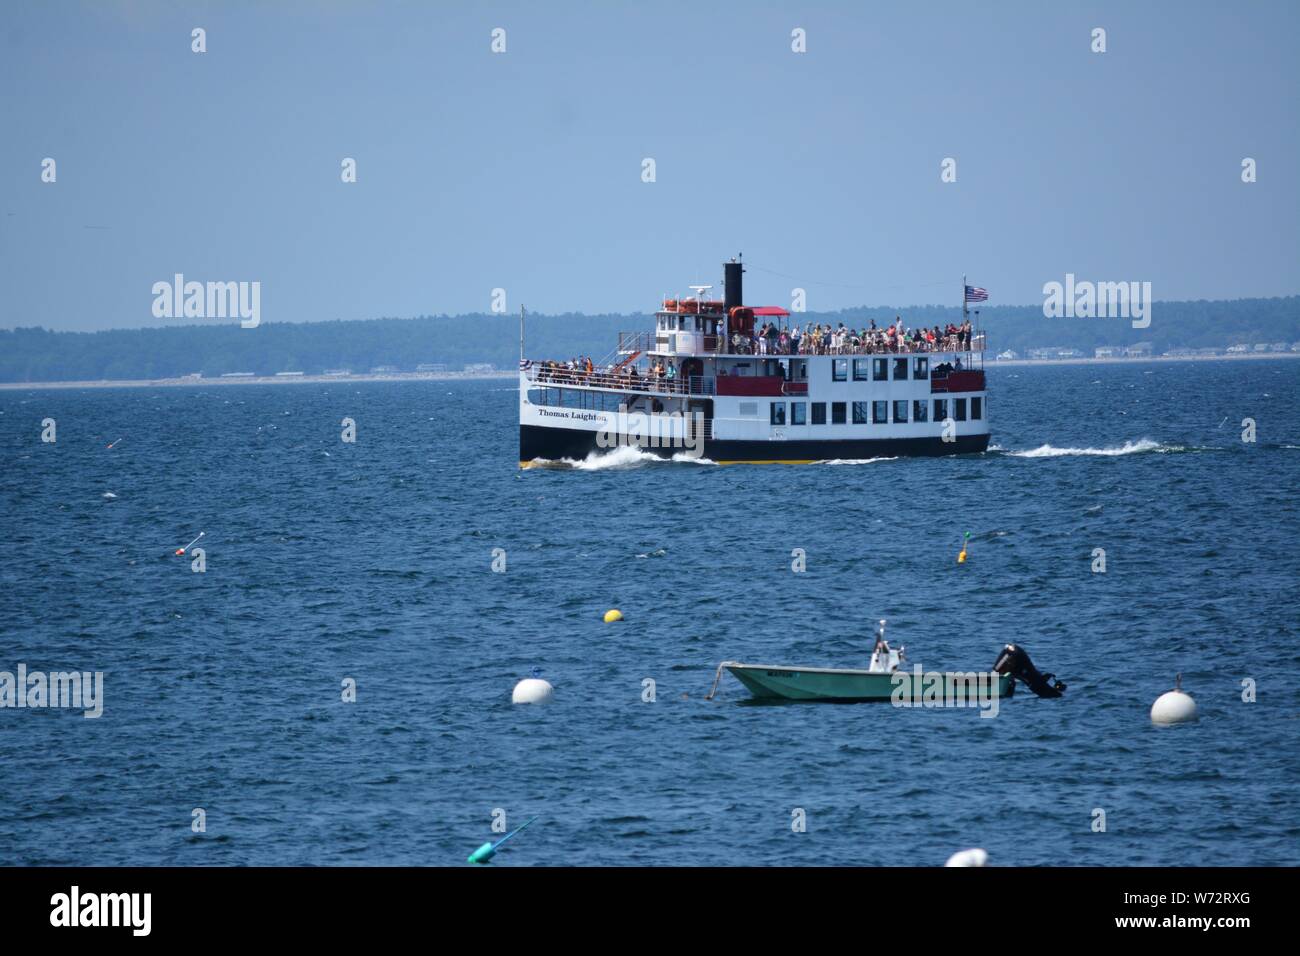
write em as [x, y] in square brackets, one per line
[1175, 706]
[532, 690]
[975, 857]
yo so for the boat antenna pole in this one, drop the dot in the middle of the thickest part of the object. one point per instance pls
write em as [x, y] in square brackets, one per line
[965, 314]
[521, 333]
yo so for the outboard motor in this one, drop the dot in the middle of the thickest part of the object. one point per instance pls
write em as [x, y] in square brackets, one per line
[1014, 661]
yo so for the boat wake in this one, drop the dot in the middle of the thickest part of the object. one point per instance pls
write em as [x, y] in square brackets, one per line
[1128, 448]
[852, 461]
[619, 459]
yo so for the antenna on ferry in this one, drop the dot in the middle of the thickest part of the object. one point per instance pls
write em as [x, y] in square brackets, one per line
[521, 333]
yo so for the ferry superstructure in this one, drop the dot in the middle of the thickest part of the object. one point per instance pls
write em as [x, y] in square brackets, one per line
[706, 384]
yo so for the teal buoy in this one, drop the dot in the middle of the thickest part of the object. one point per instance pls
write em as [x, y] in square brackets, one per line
[485, 853]
[482, 854]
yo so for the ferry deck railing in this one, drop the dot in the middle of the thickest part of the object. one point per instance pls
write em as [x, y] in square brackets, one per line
[636, 343]
[617, 381]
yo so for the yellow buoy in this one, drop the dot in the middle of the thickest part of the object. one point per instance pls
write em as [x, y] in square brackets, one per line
[612, 616]
[961, 557]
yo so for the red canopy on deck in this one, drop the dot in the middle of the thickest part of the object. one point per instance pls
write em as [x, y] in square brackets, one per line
[769, 310]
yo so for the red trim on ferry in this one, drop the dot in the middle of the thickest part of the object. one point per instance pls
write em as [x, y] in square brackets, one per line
[769, 310]
[965, 381]
[749, 385]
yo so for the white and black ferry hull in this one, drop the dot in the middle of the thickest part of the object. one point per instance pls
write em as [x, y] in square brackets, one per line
[553, 443]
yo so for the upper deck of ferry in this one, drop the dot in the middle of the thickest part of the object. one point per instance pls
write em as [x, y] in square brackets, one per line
[701, 346]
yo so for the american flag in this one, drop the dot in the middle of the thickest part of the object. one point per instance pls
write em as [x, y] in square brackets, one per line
[976, 294]
[525, 364]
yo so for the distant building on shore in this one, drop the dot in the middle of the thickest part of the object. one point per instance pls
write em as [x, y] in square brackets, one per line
[384, 369]
[338, 371]
[480, 368]
[432, 367]
[1107, 351]
[288, 374]
[236, 374]
[1008, 356]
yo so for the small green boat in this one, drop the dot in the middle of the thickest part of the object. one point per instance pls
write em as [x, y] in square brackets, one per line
[886, 679]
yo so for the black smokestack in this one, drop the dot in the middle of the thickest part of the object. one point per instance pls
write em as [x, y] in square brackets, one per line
[733, 285]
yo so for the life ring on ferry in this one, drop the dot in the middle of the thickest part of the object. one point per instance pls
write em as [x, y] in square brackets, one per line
[689, 306]
[670, 305]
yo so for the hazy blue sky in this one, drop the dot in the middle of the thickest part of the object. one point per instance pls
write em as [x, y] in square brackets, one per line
[522, 170]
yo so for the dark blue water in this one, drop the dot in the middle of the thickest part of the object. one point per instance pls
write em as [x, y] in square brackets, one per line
[372, 561]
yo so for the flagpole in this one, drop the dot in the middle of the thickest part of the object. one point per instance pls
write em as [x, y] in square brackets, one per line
[521, 333]
[963, 297]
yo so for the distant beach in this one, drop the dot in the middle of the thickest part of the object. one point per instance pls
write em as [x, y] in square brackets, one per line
[193, 381]
[1123, 360]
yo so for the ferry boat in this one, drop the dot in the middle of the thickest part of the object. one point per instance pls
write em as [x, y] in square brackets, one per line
[706, 384]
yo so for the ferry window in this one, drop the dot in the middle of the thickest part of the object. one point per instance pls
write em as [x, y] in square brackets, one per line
[940, 409]
[976, 409]
[880, 413]
[778, 413]
[537, 396]
[900, 369]
[838, 410]
[749, 409]
[880, 369]
[959, 409]
[919, 410]
[921, 367]
[861, 368]
[860, 413]
[819, 413]
[900, 409]
[798, 413]
[840, 370]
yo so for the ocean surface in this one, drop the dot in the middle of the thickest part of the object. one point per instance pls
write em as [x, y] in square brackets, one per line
[328, 561]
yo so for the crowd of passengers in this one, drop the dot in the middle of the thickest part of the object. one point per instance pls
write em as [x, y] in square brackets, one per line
[582, 371]
[828, 340]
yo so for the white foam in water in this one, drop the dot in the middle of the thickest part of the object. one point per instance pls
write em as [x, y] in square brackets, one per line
[624, 456]
[852, 461]
[1128, 448]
